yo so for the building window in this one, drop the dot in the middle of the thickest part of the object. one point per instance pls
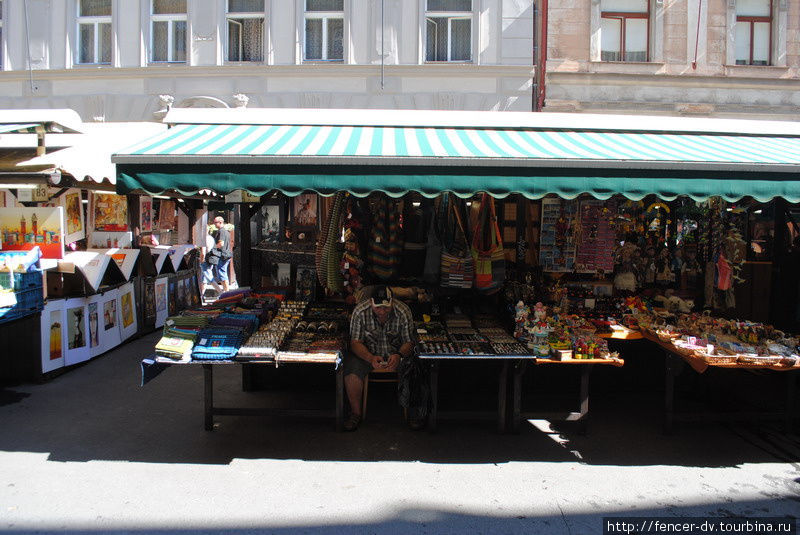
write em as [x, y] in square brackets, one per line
[448, 30]
[168, 31]
[245, 30]
[624, 30]
[324, 21]
[94, 31]
[753, 32]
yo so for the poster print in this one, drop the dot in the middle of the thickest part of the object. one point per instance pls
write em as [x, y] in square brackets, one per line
[110, 212]
[150, 301]
[305, 210]
[110, 320]
[25, 228]
[172, 302]
[306, 283]
[77, 347]
[73, 216]
[52, 338]
[146, 213]
[557, 242]
[161, 300]
[127, 305]
[167, 216]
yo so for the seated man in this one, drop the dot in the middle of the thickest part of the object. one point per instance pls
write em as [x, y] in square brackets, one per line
[381, 333]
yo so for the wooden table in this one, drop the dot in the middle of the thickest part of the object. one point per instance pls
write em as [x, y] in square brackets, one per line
[502, 387]
[676, 359]
[581, 416]
[154, 366]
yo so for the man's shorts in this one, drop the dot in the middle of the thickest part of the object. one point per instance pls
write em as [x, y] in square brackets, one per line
[356, 366]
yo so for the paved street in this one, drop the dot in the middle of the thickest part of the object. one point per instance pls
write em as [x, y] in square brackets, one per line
[91, 450]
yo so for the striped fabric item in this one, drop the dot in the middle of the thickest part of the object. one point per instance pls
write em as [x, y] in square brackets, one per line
[457, 143]
[384, 248]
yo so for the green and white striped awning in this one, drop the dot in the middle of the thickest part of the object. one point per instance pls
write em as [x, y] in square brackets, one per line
[397, 151]
[18, 128]
[288, 144]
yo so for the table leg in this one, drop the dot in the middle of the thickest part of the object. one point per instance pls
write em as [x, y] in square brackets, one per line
[340, 398]
[502, 394]
[516, 409]
[208, 398]
[584, 420]
[434, 384]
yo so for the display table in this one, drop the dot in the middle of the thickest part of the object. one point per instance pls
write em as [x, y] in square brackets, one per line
[581, 416]
[676, 359]
[505, 360]
[153, 366]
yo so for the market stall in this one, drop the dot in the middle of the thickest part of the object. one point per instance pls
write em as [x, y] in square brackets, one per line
[558, 227]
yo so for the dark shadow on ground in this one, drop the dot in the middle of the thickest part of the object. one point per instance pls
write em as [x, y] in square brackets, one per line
[435, 521]
[99, 412]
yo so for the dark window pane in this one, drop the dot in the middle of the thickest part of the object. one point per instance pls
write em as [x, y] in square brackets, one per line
[314, 39]
[460, 35]
[166, 7]
[449, 5]
[245, 39]
[179, 41]
[95, 8]
[324, 5]
[160, 41]
[245, 6]
[86, 52]
[436, 39]
[105, 42]
[335, 38]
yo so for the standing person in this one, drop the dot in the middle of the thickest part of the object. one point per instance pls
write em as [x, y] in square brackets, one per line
[381, 334]
[215, 265]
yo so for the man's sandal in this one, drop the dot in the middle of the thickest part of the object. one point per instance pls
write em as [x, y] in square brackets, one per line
[351, 424]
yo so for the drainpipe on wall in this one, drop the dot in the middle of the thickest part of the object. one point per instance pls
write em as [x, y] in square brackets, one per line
[542, 58]
[535, 88]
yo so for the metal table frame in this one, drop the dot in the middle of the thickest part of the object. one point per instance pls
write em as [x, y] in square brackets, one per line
[502, 389]
[210, 410]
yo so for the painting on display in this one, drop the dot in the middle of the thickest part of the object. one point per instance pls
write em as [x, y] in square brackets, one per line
[149, 301]
[127, 304]
[96, 332]
[25, 228]
[195, 290]
[305, 210]
[53, 323]
[161, 300]
[110, 320]
[172, 305]
[73, 216]
[167, 216]
[146, 213]
[110, 212]
[109, 240]
[77, 347]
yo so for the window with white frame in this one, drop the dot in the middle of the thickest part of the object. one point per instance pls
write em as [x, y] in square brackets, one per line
[324, 32]
[168, 31]
[753, 32]
[245, 30]
[624, 30]
[2, 50]
[448, 30]
[94, 32]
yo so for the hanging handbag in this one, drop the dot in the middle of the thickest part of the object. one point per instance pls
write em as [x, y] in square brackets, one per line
[457, 264]
[487, 249]
[433, 251]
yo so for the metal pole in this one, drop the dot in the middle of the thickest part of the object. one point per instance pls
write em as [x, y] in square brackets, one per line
[383, 46]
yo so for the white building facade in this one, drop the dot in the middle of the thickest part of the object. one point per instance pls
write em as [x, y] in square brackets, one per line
[111, 60]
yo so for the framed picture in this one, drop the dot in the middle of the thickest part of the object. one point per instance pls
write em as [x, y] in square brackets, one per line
[73, 216]
[305, 288]
[283, 275]
[146, 213]
[52, 333]
[127, 306]
[304, 212]
[167, 215]
[110, 212]
[272, 221]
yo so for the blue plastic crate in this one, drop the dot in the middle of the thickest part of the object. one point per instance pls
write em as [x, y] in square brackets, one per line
[29, 301]
[22, 281]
